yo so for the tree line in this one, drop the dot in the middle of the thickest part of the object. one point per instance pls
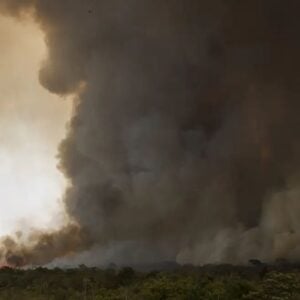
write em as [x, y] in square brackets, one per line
[211, 282]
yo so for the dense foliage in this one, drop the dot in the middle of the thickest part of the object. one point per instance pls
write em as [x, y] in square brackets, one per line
[184, 283]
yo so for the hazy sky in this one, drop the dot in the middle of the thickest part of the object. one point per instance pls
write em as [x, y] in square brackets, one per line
[184, 143]
[32, 123]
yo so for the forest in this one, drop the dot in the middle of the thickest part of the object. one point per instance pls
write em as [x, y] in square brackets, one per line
[211, 282]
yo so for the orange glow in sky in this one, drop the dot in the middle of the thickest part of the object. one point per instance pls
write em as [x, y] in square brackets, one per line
[32, 123]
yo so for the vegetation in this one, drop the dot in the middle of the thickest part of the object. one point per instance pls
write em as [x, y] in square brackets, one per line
[224, 282]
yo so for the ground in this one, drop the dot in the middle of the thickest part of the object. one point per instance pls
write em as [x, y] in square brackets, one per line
[223, 282]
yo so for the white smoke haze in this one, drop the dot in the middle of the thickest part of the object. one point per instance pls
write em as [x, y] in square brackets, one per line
[31, 186]
[184, 143]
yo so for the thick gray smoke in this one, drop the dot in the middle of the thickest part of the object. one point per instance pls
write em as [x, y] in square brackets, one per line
[184, 142]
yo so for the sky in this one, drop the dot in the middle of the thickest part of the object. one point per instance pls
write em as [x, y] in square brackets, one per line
[32, 123]
[184, 138]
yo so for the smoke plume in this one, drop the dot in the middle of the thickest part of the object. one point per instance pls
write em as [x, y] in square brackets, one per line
[184, 143]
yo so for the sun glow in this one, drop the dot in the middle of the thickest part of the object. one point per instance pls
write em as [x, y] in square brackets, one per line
[32, 123]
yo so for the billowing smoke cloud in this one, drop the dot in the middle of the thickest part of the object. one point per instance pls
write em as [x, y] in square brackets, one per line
[184, 142]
